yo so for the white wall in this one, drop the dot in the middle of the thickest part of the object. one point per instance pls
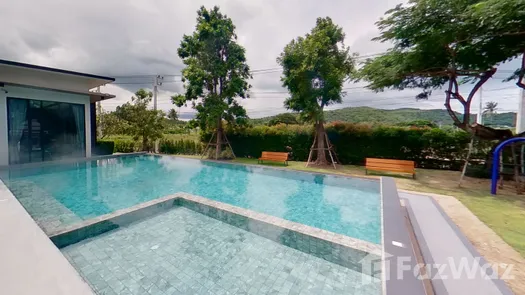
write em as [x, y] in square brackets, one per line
[4, 153]
[39, 94]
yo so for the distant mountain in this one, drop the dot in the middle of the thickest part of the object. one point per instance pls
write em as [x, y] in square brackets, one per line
[392, 117]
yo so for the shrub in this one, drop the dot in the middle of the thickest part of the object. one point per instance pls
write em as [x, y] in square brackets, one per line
[104, 147]
[181, 146]
[429, 147]
[226, 154]
[125, 146]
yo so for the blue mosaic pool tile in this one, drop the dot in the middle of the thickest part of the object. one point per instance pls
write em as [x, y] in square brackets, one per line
[183, 252]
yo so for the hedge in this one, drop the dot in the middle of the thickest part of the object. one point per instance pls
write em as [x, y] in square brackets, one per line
[182, 146]
[104, 147]
[429, 147]
[126, 146]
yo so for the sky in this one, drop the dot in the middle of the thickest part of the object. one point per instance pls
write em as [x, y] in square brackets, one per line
[139, 38]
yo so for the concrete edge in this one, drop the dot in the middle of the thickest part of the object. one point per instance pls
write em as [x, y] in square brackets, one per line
[30, 263]
[68, 161]
[438, 285]
[363, 177]
[397, 243]
[500, 284]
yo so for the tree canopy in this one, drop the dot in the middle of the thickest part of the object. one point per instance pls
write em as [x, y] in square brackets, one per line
[284, 118]
[315, 68]
[443, 43]
[216, 72]
[172, 115]
[109, 123]
[141, 122]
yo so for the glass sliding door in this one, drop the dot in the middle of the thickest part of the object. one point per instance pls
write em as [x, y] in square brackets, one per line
[44, 130]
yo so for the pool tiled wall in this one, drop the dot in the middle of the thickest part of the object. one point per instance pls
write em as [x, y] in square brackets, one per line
[339, 249]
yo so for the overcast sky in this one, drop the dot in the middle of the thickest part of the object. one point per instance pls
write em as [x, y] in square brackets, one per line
[140, 37]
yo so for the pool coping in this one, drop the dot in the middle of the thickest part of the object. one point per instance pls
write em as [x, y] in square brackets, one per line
[68, 161]
[363, 177]
[30, 263]
[397, 244]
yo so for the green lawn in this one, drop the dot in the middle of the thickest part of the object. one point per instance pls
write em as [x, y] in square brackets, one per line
[504, 213]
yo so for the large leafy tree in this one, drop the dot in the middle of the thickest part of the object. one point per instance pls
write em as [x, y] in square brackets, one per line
[216, 73]
[444, 43]
[315, 68]
[172, 115]
[109, 123]
[141, 121]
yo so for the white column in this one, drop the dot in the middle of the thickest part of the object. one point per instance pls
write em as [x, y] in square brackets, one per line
[480, 112]
[87, 128]
[4, 147]
[520, 120]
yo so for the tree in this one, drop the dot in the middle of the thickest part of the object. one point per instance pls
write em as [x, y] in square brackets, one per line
[141, 121]
[443, 43]
[109, 123]
[315, 68]
[216, 73]
[172, 115]
[284, 118]
[490, 109]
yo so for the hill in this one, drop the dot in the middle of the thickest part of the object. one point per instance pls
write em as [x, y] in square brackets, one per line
[392, 117]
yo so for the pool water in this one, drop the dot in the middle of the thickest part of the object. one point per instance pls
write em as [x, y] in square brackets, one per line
[61, 195]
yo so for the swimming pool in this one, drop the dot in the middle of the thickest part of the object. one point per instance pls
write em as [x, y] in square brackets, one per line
[61, 195]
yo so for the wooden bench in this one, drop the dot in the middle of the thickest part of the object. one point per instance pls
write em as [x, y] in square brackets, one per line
[274, 156]
[390, 165]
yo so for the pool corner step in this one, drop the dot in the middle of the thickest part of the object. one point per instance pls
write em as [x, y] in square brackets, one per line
[99, 225]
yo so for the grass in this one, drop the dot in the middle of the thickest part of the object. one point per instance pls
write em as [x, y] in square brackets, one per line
[504, 213]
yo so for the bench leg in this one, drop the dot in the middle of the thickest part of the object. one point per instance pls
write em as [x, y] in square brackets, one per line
[414, 176]
[366, 172]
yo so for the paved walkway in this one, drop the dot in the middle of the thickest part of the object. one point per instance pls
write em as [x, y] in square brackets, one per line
[29, 262]
[463, 270]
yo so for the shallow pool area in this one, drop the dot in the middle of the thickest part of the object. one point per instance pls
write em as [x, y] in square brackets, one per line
[57, 196]
[181, 251]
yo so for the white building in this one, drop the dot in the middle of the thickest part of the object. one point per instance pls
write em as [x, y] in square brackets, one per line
[46, 114]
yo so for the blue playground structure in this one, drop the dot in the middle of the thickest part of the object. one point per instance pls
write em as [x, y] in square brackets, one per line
[495, 162]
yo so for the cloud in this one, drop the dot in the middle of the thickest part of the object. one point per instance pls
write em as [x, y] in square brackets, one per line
[140, 37]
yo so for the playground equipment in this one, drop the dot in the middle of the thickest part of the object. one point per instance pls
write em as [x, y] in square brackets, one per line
[496, 160]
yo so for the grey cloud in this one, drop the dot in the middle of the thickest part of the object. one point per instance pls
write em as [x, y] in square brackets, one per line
[140, 37]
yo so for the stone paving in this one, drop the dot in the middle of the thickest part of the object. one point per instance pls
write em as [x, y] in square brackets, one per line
[184, 252]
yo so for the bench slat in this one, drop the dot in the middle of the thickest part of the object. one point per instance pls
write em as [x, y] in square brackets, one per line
[274, 156]
[391, 165]
[389, 161]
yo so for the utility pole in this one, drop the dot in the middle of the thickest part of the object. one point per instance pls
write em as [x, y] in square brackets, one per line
[99, 114]
[520, 120]
[156, 84]
[480, 112]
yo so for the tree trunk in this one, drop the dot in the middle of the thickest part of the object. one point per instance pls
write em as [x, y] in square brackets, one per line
[145, 144]
[321, 152]
[470, 146]
[516, 168]
[219, 139]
